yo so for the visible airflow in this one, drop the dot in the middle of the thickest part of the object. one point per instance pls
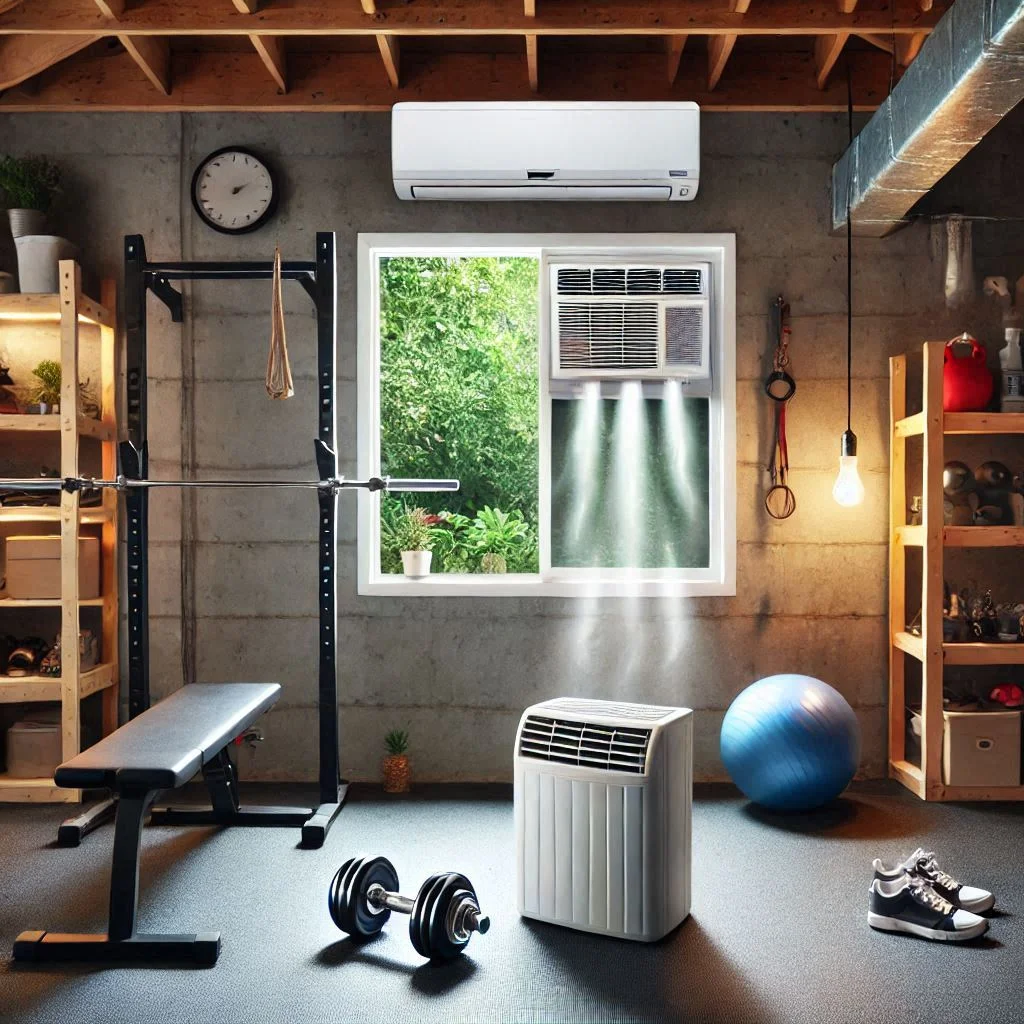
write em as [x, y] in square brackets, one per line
[630, 281]
[610, 709]
[684, 335]
[608, 335]
[585, 744]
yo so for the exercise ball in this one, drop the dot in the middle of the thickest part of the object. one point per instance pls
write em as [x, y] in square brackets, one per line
[790, 742]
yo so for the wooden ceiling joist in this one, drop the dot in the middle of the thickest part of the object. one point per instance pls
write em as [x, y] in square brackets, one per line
[153, 56]
[674, 47]
[826, 52]
[720, 47]
[530, 8]
[115, 8]
[242, 6]
[908, 47]
[219, 81]
[23, 57]
[391, 54]
[271, 50]
[476, 17]
[532, 70]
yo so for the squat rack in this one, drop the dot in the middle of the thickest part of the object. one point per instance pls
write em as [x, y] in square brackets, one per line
[319, 279]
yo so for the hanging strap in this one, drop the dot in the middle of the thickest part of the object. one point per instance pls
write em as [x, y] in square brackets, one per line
[779, 386]
[279, 371]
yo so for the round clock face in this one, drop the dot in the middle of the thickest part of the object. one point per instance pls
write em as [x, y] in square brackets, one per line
[233, 191]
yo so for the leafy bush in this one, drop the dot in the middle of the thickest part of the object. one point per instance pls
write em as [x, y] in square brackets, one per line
[29, 183]
[48, 380]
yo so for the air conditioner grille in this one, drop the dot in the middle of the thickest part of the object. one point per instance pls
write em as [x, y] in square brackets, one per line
[585, 744]
[608, 335]
[630, 281]
[610, 709]
[684, 335]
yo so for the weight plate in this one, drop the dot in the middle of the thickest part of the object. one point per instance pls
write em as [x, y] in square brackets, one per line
[428, 928]
[346, 899]
[419, 922]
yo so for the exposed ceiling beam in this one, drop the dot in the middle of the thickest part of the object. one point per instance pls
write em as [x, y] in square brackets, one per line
[113, 8]
[369, 6]
[21, 57]
[675, 55]
[908, 47]
[826, 52]
[530, 8]
[926, 5]
[271, 50]
[880, 42]
[321, 81]
[846, 6]
[719, 50]
[242, 6]
[477, 17]
[391, 54]
[532, 70]
[153, 56]
[967, 78]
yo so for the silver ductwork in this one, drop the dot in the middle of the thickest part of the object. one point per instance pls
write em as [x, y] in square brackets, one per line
[967, 77]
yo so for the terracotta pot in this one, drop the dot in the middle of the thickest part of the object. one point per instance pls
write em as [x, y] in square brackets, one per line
[396, 773]
[416, 563]
[27, 222]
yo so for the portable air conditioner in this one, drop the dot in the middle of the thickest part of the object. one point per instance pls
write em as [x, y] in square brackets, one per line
[603, 795]
[537, 150]
[631, 321]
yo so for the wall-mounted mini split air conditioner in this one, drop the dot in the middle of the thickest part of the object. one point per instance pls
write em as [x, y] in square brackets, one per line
[649, 321]
[603, 795]
[546, 151]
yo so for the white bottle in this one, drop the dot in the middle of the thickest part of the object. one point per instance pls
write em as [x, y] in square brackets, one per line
[1012, 394]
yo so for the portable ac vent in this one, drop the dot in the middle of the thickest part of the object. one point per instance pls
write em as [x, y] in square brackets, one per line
[603, 794]
[631, 321]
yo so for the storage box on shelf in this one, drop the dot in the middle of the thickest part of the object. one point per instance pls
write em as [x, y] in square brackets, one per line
[935, 778]
[68, 311]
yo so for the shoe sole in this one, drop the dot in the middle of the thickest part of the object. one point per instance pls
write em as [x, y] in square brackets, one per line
[894, 924]
[980, 907]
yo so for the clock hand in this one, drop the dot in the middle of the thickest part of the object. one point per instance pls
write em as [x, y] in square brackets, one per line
[237, 189]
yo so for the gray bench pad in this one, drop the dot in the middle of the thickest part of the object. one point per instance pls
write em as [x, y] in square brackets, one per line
[165, 746]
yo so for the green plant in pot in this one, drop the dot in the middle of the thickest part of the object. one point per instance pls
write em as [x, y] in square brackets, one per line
[396, 765]
[29, 185]
[414, 536]
[46, 389]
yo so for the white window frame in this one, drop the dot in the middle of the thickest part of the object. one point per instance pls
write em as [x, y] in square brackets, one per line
[719, 580]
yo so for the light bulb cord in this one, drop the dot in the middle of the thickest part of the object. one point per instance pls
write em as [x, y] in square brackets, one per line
[849, 257]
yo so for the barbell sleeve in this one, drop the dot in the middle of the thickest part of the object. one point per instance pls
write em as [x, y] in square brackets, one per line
[121, 483]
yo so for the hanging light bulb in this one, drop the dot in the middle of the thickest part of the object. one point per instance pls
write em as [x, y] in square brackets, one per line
[848, 489]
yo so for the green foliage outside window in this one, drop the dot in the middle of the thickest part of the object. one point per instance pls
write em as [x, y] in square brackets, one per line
[459, 398]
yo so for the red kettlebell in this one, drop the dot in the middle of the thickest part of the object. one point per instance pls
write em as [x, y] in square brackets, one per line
[966, 381]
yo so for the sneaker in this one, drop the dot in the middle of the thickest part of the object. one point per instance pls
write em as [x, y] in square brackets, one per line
[907, 904]
[921, 864]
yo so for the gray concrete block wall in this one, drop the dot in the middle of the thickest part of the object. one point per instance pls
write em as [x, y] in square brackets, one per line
[457, 672]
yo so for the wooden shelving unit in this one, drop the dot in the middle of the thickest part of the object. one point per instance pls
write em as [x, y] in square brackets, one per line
[68, 311]
[933, 537]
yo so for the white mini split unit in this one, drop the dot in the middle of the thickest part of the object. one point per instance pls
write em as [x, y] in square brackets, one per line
[603, 795]
[648, 321]
[554, 151]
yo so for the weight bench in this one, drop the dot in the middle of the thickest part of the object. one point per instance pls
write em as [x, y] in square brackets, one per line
[160, 749]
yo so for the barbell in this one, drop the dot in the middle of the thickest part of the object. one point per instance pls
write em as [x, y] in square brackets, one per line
[123, 483]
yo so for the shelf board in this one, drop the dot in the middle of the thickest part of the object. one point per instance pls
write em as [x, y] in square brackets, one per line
[87, 426]
[909, 426]
[910, 536]
[983, 423]
[51, 514]
[945, 792]
[40, 689]
[965, 536]
[35, 791]
[983, 654]
[45, 308]
[909, 774]
[47, 602]
[909, 644]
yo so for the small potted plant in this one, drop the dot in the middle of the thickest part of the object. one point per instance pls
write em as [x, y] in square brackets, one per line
[29, 185]
[46, 391]
[492, 562]
[415, 541]
[396, 765]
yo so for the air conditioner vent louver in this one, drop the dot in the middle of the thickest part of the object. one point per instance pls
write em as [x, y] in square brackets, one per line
[592, 708]
[684, 335]
[586, 744]
[630, 281]
[608, 335]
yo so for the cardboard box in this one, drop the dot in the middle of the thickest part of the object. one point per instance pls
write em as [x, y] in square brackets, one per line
[981, 748]
[33, 568]
[33, 749]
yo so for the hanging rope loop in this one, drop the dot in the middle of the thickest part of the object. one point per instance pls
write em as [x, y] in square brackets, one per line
[279, 371]
[779, 386]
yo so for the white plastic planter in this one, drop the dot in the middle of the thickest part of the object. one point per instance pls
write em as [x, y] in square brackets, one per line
[38, 259]
[416, 563]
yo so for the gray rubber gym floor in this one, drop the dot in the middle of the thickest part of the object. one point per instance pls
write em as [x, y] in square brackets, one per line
[777, 932]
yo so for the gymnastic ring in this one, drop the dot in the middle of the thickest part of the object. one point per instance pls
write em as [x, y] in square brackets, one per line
[775, 378]
[788, 501]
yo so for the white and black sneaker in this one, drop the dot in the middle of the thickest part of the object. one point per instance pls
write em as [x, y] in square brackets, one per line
[909, 905]
[921, 864]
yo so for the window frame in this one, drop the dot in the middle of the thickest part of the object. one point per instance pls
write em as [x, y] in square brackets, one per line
[717, 249]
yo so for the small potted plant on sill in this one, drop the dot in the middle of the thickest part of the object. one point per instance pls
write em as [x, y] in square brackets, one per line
[29, 185]
[47, 389]
[396, 765]
[415, 541]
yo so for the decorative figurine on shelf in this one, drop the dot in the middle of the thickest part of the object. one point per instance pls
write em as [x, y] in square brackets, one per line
[960, 504]
[8, 403]
[984, 620]
[994, 486]
[396, 765]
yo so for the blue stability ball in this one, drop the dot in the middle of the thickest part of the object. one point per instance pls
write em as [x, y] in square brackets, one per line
[790, 742]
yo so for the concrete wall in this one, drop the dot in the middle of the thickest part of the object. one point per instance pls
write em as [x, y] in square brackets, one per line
[457, 672]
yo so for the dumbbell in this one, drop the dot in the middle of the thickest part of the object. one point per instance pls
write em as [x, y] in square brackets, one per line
[442, 918]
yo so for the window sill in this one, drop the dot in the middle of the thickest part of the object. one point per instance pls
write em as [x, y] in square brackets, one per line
[528, 585]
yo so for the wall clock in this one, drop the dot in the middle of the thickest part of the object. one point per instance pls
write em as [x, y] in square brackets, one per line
[234, 191]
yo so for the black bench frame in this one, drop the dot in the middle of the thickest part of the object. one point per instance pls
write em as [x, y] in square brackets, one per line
[319, 279]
